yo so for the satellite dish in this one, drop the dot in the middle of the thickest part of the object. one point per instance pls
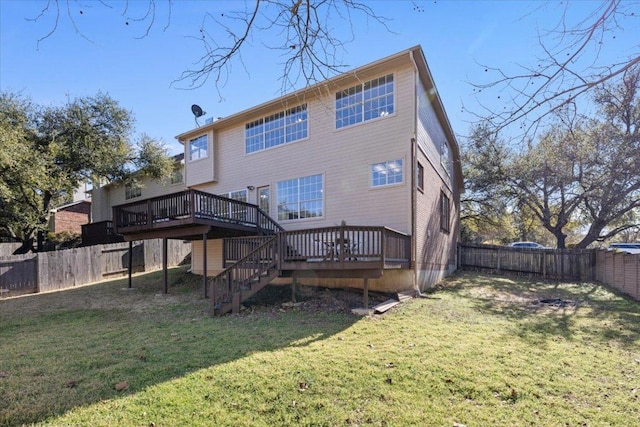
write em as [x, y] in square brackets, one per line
[197, 111]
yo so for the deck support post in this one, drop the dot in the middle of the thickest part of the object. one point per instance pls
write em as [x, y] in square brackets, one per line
[130, 262]
[294, 285]
[365, 301]
[235, 308]
[204, 263]
[165, 273]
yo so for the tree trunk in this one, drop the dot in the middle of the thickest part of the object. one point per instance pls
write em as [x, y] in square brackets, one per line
[561, 240]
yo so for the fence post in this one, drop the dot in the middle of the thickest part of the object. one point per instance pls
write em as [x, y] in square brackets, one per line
[42, 271]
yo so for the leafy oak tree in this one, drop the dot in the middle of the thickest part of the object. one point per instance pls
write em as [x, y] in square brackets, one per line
[583, 172]
[46, 152]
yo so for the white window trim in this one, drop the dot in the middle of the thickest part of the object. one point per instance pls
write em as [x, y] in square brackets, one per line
[364, 122]
[446, 165]
[306, 105]
[206, 135]
[315, 218]
[394, 184]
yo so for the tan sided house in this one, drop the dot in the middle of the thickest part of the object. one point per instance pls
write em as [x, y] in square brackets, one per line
[351, 182]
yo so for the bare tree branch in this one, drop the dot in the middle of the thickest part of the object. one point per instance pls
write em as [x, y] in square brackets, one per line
[569, 68]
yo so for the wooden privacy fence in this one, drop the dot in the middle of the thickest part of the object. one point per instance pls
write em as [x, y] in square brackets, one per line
[47, 271]
[558, 264]
[616, 269]
[17, 273]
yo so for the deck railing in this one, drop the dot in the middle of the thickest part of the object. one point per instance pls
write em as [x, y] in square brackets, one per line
[191, 204]
[345, 243]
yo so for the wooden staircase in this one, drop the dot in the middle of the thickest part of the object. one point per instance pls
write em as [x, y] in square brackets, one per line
[244, 278]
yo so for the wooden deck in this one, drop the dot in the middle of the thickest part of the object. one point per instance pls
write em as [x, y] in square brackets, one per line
[257, 249]
[190, 214]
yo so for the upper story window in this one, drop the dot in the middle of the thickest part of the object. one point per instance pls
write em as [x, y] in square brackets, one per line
[366, 101]
[386, 173]
[277, 129]
[300, 198]
[131, 191]
[445, 157]
[177, 176]
[198, 148]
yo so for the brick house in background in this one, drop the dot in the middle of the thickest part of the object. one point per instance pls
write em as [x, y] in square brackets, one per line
[70, 217]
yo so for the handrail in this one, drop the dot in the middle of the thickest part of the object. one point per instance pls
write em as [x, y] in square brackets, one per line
[192, 204]
[233, 278]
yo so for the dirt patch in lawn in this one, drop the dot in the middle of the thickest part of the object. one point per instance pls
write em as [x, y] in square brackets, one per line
[311, 299]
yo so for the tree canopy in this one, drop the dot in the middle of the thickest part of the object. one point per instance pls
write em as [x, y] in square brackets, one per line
[582, 173]
[46, 152]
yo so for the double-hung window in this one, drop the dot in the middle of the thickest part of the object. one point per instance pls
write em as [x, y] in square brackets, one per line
[198, 148]
[366, 101]
[386, 173]
[177, 176]
[131, 191]
[300, 198]
[420, 177]
[277, 129]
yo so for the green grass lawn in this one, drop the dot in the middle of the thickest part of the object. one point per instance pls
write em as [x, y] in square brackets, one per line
[479, 350]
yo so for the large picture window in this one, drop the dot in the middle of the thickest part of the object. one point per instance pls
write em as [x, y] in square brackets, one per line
[445, 212]
[386, 173]
[198, 148]
[277, 129]
[300, 198]
[366, 101]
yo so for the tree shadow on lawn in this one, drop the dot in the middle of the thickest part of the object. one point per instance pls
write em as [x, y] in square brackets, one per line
[541, 310]
[72, 348]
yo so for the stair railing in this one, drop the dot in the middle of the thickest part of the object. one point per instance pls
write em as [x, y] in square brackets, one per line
[259, 262]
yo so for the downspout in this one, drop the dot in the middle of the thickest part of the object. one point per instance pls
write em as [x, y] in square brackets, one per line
[414, 226]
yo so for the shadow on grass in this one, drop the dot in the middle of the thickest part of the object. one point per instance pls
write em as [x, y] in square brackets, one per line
[72, 348]
[541, 310]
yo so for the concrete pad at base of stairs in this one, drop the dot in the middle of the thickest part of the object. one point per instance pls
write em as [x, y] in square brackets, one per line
[362, 311]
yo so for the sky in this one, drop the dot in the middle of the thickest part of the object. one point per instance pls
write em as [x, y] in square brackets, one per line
[102, 51]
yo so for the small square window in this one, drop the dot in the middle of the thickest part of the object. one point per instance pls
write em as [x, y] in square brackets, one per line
[198, 148]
